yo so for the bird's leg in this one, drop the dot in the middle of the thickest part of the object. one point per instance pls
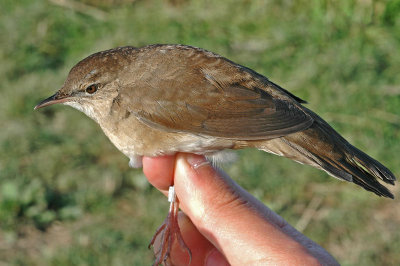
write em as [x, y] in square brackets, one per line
[169, 231]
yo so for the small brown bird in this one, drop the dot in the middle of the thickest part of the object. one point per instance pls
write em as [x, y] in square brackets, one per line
[163, 99]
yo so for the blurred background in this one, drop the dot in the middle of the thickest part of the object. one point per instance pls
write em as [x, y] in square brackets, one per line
[68, 197]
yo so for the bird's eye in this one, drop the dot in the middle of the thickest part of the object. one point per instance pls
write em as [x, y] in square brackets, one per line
[91, 89]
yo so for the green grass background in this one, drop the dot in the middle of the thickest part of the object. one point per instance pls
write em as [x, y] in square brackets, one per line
[67, 196]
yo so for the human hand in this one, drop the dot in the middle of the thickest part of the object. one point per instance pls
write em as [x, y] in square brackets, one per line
[222, 223]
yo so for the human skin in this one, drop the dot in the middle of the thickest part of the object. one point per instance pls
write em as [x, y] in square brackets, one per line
[222, 223]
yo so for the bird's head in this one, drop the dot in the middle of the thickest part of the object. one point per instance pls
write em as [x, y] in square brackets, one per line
[92, 83]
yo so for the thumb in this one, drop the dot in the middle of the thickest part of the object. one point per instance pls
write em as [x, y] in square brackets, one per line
[240, 226]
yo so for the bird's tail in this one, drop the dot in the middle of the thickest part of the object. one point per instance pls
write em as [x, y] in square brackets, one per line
[322, 147]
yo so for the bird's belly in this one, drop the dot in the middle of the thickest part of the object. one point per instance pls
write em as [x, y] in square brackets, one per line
[133, 138]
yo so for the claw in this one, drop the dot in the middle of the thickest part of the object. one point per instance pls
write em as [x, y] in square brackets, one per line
[169, 231]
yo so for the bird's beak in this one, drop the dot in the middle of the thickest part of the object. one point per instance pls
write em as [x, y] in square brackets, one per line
[56, 98]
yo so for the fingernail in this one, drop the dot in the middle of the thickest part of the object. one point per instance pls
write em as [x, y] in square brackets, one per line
[215, 258]
[196, 161]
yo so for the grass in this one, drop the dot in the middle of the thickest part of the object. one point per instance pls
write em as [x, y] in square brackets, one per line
[67, 196]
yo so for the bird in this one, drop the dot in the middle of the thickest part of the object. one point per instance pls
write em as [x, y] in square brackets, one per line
[162, 99]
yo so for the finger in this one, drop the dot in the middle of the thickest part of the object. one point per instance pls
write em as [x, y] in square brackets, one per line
[159, 171]
[239, 225]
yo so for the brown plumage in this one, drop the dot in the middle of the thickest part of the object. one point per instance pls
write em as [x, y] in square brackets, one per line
[163, 99]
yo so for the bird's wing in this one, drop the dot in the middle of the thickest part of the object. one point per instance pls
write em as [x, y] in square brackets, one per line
[205, 103]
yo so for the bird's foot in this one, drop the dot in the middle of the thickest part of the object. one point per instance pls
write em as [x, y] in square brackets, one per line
[169, 231]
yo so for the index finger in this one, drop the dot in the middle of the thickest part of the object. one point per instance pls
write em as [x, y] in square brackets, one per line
[160, 171]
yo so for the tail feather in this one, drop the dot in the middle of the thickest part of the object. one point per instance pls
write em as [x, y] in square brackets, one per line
[366, 172]
[322, 147]
[374, 167]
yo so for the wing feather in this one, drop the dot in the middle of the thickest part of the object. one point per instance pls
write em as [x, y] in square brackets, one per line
[224, 101]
